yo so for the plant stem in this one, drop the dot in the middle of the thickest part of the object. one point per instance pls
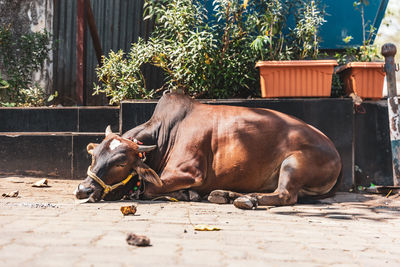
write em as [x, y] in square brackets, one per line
[270, 42]
[363, 21]
[226, 33]
[363, 28]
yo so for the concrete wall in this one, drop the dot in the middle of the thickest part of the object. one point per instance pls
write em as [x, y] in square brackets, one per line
[30, 15]
[372, 149]
[52, 141]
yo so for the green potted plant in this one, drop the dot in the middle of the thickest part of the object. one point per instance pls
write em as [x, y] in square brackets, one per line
[211, 53]
[358, 73]
[288, 66]
[204, 53]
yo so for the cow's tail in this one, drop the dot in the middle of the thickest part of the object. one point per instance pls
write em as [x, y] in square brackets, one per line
[314, 199]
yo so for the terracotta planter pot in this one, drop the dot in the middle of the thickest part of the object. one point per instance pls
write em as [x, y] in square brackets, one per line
[365, 79]
[297, 78]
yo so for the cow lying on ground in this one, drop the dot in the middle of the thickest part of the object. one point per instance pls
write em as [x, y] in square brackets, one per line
[238, 155]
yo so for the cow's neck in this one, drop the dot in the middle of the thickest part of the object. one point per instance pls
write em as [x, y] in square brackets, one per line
[155, 134]
[162, 128]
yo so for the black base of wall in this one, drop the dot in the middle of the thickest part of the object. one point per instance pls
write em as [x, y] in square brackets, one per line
[63, 119]
[372, 150]
[334, 117]
[52, 141]
[61, 155]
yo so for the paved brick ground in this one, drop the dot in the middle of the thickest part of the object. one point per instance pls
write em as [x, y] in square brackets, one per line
[46, 227]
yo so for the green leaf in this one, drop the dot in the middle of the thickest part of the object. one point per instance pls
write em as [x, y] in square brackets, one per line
[347, 39]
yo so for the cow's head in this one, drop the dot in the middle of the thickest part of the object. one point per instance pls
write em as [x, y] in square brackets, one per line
[114, 162]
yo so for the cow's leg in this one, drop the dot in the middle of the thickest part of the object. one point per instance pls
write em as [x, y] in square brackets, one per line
[277, 198]
[292, 173]
[170, 184]
[185, 195]
[223, 196]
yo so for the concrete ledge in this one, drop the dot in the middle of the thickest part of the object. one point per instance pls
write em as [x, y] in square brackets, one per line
[133, 113]
[60, 155]
[51, 142]
[38, 119]
[373, 155]
[59, 119]
[81, 159]
[95, 119]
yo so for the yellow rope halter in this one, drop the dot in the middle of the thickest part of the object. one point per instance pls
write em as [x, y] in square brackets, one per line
[108, 188]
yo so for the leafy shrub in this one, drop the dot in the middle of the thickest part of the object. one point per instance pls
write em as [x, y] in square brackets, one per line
[20, 56]
[211, 56]
[300, 42]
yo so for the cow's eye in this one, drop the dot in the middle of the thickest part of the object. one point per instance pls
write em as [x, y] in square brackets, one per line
[121, 165]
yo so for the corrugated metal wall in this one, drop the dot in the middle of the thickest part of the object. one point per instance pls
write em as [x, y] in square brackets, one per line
[119, 23]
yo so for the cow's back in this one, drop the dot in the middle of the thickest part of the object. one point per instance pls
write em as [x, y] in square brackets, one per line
[242, 147]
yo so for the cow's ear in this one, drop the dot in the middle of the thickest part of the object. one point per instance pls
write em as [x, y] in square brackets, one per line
[147, 174]
[90, 148]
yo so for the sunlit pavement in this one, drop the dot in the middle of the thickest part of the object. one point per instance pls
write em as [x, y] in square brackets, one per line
[46, 227]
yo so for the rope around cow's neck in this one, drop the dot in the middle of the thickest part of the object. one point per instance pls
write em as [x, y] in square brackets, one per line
[108, 188]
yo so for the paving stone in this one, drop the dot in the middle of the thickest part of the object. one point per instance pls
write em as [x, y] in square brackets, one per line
[15, 254]
[47, 228]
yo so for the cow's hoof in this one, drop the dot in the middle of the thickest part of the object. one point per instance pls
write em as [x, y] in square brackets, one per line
[181, 195]
[245, 202]
[219, 197]
[234, 195]
[194, 196]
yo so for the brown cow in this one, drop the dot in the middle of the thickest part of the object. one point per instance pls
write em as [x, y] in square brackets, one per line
[269, 157]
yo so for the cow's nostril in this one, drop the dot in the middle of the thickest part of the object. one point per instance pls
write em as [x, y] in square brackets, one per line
[83, 191]
[81, 187]
[89, 190]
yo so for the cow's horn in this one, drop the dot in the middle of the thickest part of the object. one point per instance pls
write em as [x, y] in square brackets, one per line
[108, 130]
[146, 148]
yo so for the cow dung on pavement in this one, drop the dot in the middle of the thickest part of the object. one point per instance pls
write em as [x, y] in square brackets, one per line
[138, 240]
[11, 194]
[128, 210]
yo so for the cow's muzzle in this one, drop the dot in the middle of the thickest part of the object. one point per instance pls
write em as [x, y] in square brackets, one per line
[100, 191]
[108, 188]
[88, 190]
[83, 192]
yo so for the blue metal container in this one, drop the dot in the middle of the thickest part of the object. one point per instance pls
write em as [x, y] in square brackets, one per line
[343, 20]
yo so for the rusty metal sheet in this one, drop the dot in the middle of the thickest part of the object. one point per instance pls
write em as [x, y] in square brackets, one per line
[119, 23]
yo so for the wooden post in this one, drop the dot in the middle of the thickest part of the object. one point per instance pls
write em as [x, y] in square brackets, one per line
[80, 53]
[389, 51]
[93, 32]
